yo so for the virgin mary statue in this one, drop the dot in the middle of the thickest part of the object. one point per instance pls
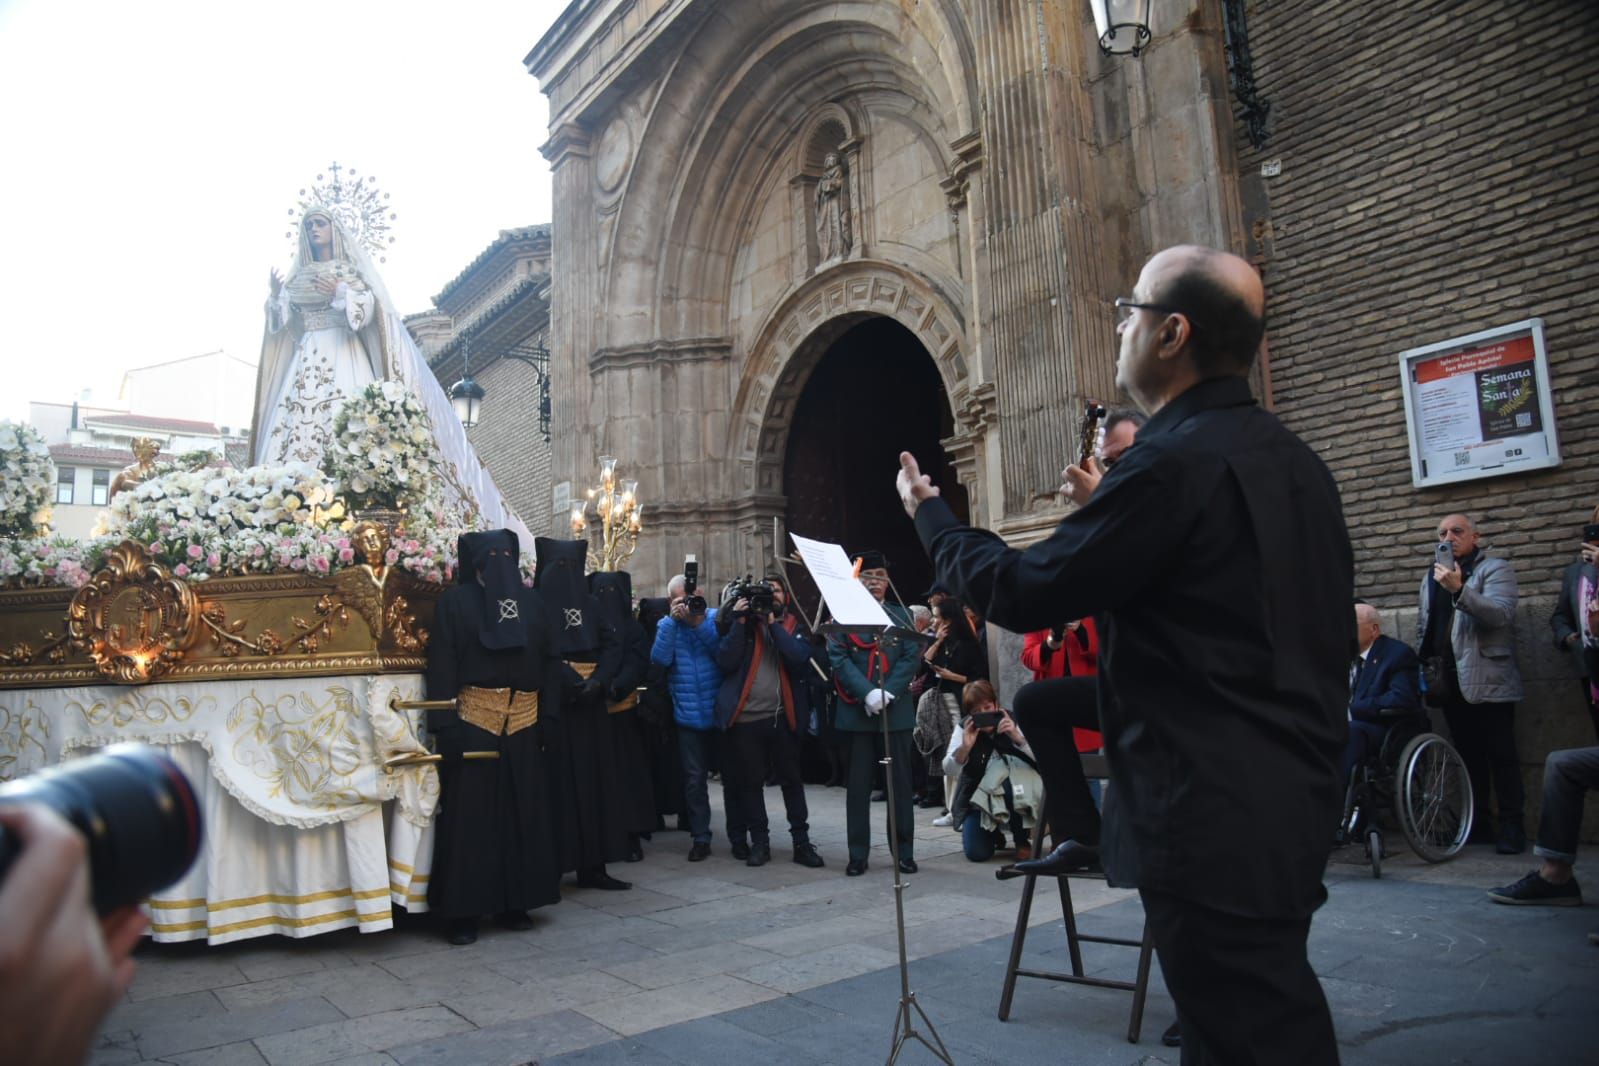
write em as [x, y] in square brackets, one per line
[331, 330]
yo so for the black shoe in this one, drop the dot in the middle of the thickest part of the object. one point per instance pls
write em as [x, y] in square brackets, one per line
[741, 852]
[930, 802]
[598, 878]
[879, 796]
[1173, 1036]
[1512, 839]
[516, 921]
[1069, 857]
[1533, 890]
[699, 852]
[907, 866]
[760, 855]
[1007, 872]
[855, 868]
[806, 855]
[462, 931]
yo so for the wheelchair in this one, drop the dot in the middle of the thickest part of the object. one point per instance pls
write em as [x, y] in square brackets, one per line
[1419, 781]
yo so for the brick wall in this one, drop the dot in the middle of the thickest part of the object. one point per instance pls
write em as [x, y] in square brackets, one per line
[1438, 177]
[508, 440]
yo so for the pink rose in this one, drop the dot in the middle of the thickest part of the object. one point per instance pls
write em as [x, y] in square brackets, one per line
[297, 564]
[346, 553]
[391, 557]
[258, 550]
[321, 563]
[181, 570]
[213, 560]
[195, 551]
[342, 543]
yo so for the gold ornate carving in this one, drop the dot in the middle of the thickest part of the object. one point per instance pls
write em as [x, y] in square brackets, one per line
[133, 618]
[231, 640]
[400, 622]
[24, 730]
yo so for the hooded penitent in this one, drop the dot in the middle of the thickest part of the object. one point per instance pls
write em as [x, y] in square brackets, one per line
[490, 560]
[613, 590]
[560, 581]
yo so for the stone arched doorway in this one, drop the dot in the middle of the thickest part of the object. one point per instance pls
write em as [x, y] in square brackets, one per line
[874, 391]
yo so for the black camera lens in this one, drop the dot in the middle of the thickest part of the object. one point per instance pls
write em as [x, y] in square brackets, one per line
[134, 807]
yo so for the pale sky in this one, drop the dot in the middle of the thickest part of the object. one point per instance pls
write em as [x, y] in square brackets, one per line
[152, 151]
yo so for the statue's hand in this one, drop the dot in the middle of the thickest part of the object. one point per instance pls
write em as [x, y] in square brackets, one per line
[327, 286]
[277, 282]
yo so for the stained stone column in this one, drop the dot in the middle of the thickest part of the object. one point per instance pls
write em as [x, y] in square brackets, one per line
[573, 240]
[1040, 299]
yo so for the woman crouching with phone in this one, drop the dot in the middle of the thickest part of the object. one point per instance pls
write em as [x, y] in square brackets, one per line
[998, 788]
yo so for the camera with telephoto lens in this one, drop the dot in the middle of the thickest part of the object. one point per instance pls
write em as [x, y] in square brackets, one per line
[691, 584]
[136, 811]
[758, 593]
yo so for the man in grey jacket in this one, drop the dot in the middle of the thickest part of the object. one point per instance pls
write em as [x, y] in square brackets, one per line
[1468, 652]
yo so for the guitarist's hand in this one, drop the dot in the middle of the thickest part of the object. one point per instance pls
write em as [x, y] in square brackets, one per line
[1079, 482]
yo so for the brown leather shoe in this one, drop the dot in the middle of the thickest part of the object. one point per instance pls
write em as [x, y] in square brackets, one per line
[1023, 853]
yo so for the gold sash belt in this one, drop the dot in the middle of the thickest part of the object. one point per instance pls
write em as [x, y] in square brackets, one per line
[626, 703]
[584, 670]
[498, 710]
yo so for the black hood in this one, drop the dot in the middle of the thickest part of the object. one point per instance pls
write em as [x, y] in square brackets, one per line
[613, 590]
[559, 579]
[492, 561]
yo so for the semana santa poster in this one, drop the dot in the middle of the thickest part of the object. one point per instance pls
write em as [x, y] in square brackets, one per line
[1479, 406]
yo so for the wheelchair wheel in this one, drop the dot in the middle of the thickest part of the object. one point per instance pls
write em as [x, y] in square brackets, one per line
[1374, 850]
[1432, 797]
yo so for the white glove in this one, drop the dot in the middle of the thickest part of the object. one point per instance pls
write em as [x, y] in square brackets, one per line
[876, 700]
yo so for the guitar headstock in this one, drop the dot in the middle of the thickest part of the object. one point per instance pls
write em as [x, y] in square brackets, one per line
[1088, 430]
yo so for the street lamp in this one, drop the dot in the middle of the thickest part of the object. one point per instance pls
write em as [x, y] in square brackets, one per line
[466, 395]
[1123, 25]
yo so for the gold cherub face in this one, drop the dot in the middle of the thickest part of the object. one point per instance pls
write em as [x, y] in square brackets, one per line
[145, 448]
[372, 541]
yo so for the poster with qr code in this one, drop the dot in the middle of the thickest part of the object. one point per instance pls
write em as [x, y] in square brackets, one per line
[1479, 406]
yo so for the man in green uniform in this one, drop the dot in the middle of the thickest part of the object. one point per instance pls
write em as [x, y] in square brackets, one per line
[872, 676]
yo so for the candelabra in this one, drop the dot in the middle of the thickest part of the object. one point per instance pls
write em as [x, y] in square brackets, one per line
[621, 517]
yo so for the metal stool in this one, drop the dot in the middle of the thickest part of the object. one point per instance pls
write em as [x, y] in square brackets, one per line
[1093, 766]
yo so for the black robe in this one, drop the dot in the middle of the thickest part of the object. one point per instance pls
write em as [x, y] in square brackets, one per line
[589, 797]
[658, 725]
[495, 846]
[633, 759]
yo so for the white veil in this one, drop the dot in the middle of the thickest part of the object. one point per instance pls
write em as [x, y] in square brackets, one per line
[471, 499]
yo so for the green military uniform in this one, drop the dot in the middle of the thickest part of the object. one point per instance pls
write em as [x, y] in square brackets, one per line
[859, 666]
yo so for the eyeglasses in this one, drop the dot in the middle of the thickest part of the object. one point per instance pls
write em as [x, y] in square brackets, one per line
[1126, 307]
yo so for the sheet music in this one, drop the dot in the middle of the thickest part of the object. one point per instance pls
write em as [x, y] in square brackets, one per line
[842, 591]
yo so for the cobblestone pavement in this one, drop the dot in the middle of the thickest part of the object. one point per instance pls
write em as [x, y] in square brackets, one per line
[719, 963]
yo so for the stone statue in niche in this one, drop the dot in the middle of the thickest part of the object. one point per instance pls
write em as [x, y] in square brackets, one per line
[832, 211]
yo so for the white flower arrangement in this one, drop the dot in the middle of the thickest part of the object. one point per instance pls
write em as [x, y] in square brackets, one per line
[26, 477]
[382, 453]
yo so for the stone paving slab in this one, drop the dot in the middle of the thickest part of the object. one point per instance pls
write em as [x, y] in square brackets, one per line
[721, 962]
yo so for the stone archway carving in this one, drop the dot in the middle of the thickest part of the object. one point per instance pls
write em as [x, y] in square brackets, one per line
[802, 328]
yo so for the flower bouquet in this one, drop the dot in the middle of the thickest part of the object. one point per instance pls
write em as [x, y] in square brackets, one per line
[26, 477]
[382, 452]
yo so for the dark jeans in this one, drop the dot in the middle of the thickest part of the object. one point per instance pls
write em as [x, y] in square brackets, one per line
[750, 748]
[1567, 776]
[1485, 736]
[694, 748]
[865, 749]
[1244, 989]
[1047, 711]
[1365, 741]
[978, 844]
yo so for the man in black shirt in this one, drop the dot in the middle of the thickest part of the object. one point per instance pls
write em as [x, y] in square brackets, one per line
[1215, 555]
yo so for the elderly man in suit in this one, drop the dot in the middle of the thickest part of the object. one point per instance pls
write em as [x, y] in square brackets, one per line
[1385, 677]
[1467, 630]
[1573, 620]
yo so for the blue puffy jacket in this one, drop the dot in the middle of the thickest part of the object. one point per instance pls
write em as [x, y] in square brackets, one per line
[689, 653]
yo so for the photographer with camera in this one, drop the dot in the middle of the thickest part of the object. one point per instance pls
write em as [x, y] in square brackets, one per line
[81, 844]
[998, 788]
[62, 968]
[686, 642]
[763, 703]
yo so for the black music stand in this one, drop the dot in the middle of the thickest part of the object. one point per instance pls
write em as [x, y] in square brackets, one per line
[904, 1022]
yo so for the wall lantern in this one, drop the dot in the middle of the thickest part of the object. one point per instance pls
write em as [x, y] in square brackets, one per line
[466, 395]
[1123, 26]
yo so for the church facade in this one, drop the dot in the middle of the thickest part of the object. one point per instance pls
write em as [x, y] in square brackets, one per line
[794, 238]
